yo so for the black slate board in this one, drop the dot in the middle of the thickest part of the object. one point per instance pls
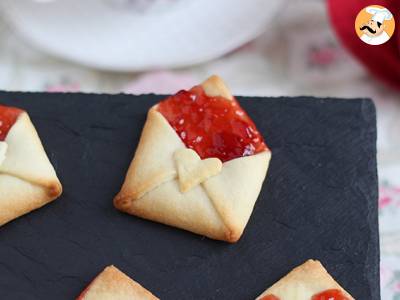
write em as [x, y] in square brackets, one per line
[319, 201]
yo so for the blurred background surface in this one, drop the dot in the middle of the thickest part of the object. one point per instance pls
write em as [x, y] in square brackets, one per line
[279, 48]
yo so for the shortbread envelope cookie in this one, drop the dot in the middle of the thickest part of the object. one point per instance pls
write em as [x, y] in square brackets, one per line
[112, 284]
[310, 281]
[27, 178]
[199, 165]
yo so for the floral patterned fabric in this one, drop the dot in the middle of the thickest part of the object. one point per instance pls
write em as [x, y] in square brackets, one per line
[297, 55]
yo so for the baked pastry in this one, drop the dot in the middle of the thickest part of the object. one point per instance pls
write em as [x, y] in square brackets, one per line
[112, 284]
[199, 165]
[27, 178]
[310, 281]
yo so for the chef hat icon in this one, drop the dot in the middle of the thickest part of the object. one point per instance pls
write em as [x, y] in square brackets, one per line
[379, 14]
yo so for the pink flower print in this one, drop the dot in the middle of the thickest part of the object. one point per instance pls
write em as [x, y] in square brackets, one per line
[389, 196]
[396, 287]
[63, 85]
[384, 201]
[160, 82]
[386, 274]
[323, 55]
[63, 88]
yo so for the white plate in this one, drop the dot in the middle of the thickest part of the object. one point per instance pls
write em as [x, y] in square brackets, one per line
[136, 35]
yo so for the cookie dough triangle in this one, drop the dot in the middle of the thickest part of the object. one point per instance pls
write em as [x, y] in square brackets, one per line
[309, 281]
[235, 190]
[112, 284]
[153, 165]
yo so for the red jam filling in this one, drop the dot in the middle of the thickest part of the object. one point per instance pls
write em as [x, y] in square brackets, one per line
[8, 116]
[212, 126]
[332, 294]
[269, 297]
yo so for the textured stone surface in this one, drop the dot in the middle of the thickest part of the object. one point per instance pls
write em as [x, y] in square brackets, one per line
[319, 201]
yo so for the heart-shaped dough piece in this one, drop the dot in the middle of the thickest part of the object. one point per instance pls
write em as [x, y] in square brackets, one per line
[192, 170]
